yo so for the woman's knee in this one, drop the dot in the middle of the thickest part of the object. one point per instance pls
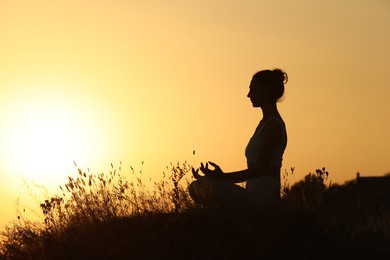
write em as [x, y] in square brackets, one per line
[193, 187]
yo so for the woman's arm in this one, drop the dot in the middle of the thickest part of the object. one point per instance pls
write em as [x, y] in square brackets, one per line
[217, 173]
[271, 136]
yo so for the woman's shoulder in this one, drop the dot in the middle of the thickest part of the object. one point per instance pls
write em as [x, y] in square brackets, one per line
[275, 121]
[274, 126]
[271, 125]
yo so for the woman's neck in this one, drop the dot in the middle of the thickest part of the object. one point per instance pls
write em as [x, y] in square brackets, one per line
[270, 110]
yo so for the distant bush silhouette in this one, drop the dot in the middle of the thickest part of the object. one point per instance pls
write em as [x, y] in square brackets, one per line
[309, 193]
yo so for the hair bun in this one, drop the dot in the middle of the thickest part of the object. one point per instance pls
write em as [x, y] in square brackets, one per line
[280, 75]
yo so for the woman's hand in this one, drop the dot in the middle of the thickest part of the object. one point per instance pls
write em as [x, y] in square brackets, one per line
[213, 173]
[195, 173]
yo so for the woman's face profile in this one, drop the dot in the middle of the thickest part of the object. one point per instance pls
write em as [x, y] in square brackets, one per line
[256, 94]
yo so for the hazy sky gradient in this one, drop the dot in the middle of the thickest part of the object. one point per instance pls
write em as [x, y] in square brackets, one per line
[154, 80]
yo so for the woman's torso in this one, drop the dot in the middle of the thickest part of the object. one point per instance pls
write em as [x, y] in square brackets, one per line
[255, 145]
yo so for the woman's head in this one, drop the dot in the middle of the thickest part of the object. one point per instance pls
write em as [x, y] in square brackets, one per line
[270, 83]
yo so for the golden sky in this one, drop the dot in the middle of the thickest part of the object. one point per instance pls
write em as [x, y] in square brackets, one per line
[98, 82]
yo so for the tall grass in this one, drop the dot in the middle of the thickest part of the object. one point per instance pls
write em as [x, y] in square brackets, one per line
[118, 216]
[89, 199]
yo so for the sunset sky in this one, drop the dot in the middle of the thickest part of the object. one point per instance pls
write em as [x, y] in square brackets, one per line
[98, 82]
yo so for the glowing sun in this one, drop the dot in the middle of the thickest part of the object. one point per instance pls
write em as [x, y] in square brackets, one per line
[44, 137]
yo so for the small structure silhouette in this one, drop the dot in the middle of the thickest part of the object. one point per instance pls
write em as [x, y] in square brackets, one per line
[375, 190]
[373, 181]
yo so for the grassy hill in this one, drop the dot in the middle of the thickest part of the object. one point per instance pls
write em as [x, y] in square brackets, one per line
[108, 217]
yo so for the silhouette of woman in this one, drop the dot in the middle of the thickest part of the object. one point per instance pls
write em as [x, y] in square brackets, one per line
[264, 154]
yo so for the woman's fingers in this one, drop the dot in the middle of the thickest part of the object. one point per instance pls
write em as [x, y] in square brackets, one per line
[210, 172]
[205, 169]
[202, 166]
[195, 173]
[217, 169]
[214, 165]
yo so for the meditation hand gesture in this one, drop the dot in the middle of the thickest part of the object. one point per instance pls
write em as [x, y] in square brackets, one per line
[212, 173]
